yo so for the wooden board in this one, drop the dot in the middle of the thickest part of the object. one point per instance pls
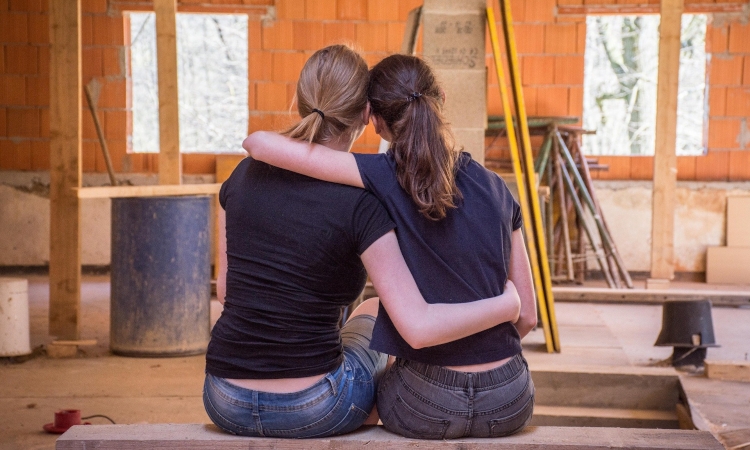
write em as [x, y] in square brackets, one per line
[170, 159]
[658, 297]
[728, 370]
[201, 436]
[665, 157]
[728, 265]
[148, 191]
[65, 169]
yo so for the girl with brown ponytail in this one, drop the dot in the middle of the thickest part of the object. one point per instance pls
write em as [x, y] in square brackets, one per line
[293, 253]
[459, 230]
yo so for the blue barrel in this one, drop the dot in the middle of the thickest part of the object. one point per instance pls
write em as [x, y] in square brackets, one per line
[161, 279]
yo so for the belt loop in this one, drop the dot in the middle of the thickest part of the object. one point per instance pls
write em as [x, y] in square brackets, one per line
[332, 382]
[256, 413]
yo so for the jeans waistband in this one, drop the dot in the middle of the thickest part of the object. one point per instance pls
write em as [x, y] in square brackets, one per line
[453, 378]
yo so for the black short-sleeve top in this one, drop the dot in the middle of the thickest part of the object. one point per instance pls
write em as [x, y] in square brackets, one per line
[293, 246]
[461, 258]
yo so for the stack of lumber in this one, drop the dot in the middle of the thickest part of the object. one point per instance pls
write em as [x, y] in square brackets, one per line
[731, 264]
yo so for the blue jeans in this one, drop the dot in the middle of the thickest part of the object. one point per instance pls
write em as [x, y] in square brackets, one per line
[339, 403]
[422, 401]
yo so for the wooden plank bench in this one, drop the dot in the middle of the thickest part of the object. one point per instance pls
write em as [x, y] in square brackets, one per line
[202, 436]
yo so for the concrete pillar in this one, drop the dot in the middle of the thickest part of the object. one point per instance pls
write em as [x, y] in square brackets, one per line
[454, 45]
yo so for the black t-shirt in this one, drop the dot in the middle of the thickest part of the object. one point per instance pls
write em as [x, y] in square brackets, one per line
[293, 246]
[461, 258]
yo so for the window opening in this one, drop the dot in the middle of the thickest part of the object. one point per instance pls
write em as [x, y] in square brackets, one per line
[212, 66]
[620, 75]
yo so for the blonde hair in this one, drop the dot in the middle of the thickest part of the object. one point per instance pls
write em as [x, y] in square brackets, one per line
[331, 94]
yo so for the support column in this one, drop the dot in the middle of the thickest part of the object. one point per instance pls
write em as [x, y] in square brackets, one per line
[665, 159]
[170, 159]
[65, 169]
[454, 45]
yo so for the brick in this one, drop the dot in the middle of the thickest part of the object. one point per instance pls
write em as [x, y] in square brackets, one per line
[717, 101]
[290, 9]
[278, 35]
[746, 71]
[405, 6]
[517, 11]
[287, 66]
[23, 122]
[569, 69]
[552, 101]
[115, 124]
[717, 38]
[530, 38]
[725, 71]
[21, 59]
[43, 54]
[738, 104]
[308, 35]
[88, 156]
[254, 35]
[352, 10]
[372, 36]
[619, 167]
[291, 97]
[739, 38]
[25, 5]
[539, 11]
[13, 92]
[118, 152]
[714, 166]
[6, 154]
[14, 28]
[723, 134]
[739, 166]
[37, 91]
[39, 155]
[560, 38]
[94, 6]
[581, 38]
[686, 167]
[320, 9]
[338, 32]
[108, 30]
[199, 163]
[44, 122]
[494, 101]
[3, 122]
[88, 129]
[113, 61]
[113, 94]
[395, 36]
[537, 70]
[22, 156]
[2, 58]
[575, 102]
[272, 97]
[38, 29]
[92, 63]
[260, 66]
[87, 30]
[530, 97]
[382, 10]
[641, 167]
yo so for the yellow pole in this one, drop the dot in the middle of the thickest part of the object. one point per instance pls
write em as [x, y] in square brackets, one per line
[522, 195]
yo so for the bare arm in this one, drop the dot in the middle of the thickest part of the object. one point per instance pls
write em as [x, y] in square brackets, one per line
[520, 274]
[221, 282]
[313, 160]
[422, 324]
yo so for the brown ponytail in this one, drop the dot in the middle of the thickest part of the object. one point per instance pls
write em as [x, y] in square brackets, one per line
[331, 95]
[403, 92]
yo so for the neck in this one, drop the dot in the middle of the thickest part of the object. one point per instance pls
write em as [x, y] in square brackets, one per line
[341, 143]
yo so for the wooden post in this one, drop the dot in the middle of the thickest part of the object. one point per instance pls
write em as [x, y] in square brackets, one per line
[665, 159]
[170, 160]
[65, 168]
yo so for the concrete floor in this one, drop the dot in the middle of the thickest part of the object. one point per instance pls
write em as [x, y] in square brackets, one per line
[160, 390]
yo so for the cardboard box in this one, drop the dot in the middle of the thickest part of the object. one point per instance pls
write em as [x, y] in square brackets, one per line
[472, 141]
[728, 265]
[454, 41]
[465, 97]
[738, 221]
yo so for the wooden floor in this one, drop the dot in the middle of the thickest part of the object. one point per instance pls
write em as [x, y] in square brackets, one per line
[596, 337]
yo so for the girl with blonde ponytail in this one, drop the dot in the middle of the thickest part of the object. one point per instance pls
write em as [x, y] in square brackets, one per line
[459, 230]
[293, 253]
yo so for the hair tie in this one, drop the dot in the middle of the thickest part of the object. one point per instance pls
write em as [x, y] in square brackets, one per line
[322, 116]
[413, 96]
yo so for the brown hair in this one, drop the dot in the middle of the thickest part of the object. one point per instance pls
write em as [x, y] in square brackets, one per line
[404, 93]
[331, 94]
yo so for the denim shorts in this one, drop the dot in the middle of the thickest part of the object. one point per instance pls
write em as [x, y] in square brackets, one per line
[338, 403]
[423, 401]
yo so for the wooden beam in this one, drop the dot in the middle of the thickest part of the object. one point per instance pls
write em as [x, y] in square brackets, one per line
[665, 159]
[170, 160]
[160, 190]
[728, 370]
[736, 298]
[65, 168]
[692, 8]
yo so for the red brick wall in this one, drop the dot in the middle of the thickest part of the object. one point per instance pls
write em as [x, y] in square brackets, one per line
[550, 46]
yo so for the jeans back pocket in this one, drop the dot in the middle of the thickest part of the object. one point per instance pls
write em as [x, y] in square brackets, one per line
[406, 421]
[513, 423]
